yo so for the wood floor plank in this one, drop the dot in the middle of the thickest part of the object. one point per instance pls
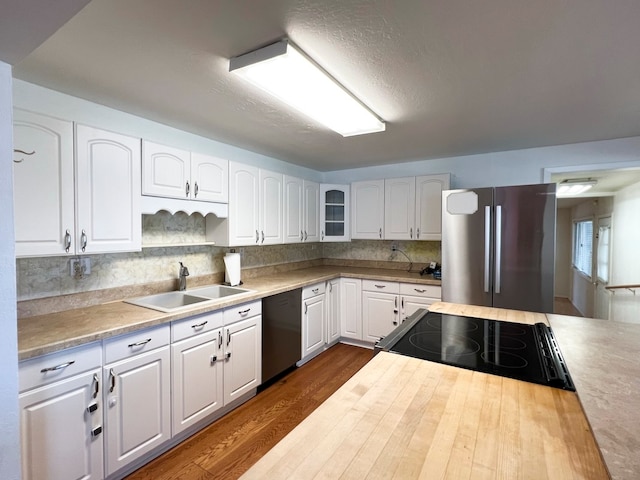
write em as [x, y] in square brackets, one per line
[232, 444]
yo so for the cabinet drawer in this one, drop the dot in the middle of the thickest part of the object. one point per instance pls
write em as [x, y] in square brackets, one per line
[135, 343]
[417, 290]
[313, 290]
[240, 312]
[56, 366]
[380, 286]
[187, 327]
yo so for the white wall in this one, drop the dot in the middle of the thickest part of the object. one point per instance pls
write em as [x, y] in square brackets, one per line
[515, 167]
[9, 419]
[42, 100]
[625, 261]
[563, 253]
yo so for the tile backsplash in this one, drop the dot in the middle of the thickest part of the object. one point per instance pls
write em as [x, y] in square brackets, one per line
[50, 276]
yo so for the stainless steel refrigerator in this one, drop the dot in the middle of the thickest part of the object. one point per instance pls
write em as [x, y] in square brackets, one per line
[498, 246]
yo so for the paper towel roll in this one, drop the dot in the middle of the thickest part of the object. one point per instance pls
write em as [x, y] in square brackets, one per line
[232, 269]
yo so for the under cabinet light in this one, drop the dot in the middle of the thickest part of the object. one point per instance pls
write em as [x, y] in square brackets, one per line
[285, 72]
[568, 188]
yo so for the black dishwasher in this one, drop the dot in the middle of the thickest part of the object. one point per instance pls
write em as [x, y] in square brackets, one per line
[281, 332]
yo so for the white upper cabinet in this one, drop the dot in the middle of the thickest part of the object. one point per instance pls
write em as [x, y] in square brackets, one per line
[43, 185]
[311, 211]
[244, 206]
[429, 190]
[334, 213]
[175, 173]
[108, 191]
[367, 209]
[293, 210]
[399, 208]
[271, 200]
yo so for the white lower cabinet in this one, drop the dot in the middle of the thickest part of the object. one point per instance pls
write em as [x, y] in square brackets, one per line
[333, 311]
[313, 321]
[197, 378]
[351, 308]
[414, 297]
[61, 416]
[242, 341]
[380, 309]
[137, 396]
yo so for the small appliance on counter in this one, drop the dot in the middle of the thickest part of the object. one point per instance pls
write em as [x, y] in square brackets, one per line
[434, 269]
[232, 269]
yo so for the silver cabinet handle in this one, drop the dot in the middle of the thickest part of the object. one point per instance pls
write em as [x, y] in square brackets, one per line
[214, 359]
[67, 241]
[322, 235]
[112, 380]
[419, 290]
[96, 385]
[305, 235]
[418, 232]
[244, 312]
[330, 287]
[195, 190]
[380, 233]
[301, 236]
[380, 286]
[58, 367]
[257, 236]
[228, 355]
[396, 302]
[315, 290]
[200, 325]
[498, 247]
[219, 339]
[228, 337]
[83, 240]
[411, 233]
[487, 245]
[96, 431]
[306, 307]
[402, 303]
[140, 343]
[262, 236]
[187, 189]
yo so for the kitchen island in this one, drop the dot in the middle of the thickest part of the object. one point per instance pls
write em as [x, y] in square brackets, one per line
[401, 417]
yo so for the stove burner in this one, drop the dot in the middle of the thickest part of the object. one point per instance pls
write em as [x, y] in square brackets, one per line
[510, 343]
[444, 345]
[506, 360]
[469, 325]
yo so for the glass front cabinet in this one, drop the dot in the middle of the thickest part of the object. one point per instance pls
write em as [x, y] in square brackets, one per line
[334, 213]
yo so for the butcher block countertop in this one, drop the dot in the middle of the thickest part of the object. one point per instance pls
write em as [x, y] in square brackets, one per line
[405, 418]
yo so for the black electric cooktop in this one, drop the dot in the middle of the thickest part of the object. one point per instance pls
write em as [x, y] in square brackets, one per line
[523, 352]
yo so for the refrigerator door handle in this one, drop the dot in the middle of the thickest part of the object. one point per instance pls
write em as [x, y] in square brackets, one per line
[487, 246]
[498, 246]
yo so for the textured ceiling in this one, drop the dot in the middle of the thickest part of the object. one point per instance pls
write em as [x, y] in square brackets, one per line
[451, 77]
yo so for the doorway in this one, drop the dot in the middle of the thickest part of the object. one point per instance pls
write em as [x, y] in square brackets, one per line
[601, 267]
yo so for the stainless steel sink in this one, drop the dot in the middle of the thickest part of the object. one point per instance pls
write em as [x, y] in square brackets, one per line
[174, 301]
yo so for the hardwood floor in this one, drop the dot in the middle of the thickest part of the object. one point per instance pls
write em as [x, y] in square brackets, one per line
[563, 306]
[232, 444]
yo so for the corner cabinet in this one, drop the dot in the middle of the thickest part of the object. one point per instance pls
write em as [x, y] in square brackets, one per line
[66, 205]
[334, 213]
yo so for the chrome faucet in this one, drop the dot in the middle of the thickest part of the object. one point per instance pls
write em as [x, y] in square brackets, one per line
[182, 280]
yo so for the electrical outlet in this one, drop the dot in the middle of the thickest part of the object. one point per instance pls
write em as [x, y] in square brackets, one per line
[394, 247]
[79, 267]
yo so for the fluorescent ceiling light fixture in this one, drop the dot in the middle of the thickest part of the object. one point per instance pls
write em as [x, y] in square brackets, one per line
[285, 72]
[568, 188]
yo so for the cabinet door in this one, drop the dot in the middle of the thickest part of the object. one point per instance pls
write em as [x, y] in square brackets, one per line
[380, 313]
[410, 304]
[271, 225]
[429, 206]
[351, 308]
[166, 171]
[108, 211]
[367, 209]
[293, 212]
[313, 319]
[244, 207]
[243, 357]
[333, 311]
[138, 408]
[57, 426]
[197, 381]
[334, 213]
[399, 208]
[311, 222]
[43, 185]
[209, 178]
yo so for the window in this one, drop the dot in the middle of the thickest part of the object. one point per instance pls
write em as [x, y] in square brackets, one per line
[583, 246]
